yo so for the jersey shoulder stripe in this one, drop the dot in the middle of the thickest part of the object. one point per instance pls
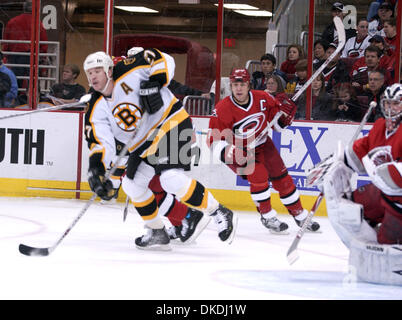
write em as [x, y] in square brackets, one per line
[143, 59]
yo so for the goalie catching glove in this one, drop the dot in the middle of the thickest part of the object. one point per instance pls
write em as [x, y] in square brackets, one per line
[104, 189]
[150, 96]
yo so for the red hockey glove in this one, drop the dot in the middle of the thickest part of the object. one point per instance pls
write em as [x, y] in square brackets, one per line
[238, 156]
[289, 109]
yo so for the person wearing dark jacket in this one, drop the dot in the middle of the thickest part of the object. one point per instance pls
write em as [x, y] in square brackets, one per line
[374, 91]
[329, 34]
[321, 102]
[268, 67]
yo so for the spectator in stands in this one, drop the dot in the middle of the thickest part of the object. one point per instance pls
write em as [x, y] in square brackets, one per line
[346, 104]
[388, 61]
[385, 59]
[320, 46]
[274, 85]
[5, 86]
[68, 91]
[336, 71]
[390, 36]
[294, 53]
[321, 102]
[372, 12]
[375, 89]
[19, 28]
[295, 84]
[362, 68]
[384, 12]
[9, 96]
[268, 67]
[329, 34]
[355, 46]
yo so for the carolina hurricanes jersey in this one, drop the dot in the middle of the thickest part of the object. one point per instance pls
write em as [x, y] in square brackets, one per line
[246, 122]
[354, 48]
[114, 120]
[377, 137]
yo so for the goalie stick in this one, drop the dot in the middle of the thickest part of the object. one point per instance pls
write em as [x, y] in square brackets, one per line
[33, 251]
[292, 254]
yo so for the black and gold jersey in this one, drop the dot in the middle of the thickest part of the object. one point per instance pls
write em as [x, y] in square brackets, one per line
[120, 116]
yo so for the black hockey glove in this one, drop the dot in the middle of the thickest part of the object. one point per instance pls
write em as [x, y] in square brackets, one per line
[104, 189]
[150, 96]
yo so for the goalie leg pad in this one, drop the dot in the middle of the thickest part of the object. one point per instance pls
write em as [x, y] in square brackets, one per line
[376, 263]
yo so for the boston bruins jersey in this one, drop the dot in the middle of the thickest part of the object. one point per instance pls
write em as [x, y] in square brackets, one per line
[117, 118]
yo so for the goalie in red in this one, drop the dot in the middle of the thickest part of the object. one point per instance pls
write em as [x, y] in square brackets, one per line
[238, 136]
[369, 219]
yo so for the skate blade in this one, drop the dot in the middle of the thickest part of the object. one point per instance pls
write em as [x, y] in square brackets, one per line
[279, 233]
[157, 247]
[202, 224]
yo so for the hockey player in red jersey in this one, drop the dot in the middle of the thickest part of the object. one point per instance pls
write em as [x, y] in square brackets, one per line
[379, 154]
[239, 137]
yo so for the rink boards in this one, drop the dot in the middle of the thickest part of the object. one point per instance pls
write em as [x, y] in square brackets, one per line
[45, 154]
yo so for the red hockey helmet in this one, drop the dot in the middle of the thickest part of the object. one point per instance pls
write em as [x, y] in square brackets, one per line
[116, 60]
[241, 75]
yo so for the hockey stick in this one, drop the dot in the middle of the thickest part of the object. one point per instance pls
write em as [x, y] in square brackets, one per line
[341, 43]
[292, 254]
[125, 211]
[33, 251]
[84, 99]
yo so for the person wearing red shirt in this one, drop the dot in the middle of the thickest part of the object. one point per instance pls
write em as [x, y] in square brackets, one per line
[19, 28]
[293, 54]
[239, 138]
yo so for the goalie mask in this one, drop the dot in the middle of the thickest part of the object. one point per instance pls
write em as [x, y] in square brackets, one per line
[98, 60]
[391, 106]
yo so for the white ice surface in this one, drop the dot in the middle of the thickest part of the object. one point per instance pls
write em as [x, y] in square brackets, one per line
[98, 259]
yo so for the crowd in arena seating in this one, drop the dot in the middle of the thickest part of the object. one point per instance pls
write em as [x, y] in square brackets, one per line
[358, 75]
[355, 77]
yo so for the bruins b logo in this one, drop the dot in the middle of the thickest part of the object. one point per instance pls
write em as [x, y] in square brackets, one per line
[127, 116]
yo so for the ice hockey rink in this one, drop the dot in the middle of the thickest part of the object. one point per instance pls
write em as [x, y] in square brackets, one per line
[98, 259]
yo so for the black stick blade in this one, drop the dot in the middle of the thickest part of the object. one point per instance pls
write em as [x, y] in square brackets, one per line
[30, 251]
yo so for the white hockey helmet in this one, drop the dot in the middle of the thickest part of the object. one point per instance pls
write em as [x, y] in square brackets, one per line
[134, 50]
[98, 59]
[391, 104]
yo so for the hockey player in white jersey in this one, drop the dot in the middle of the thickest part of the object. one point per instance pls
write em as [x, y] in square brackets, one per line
[132, 105]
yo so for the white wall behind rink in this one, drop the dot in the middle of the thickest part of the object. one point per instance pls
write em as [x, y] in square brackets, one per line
[53, 156]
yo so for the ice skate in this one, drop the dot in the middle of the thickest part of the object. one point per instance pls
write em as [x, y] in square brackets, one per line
[174, 232]
[154, 239]
[192, 225]
[226, 220]
[312, 226]
[273, 224]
